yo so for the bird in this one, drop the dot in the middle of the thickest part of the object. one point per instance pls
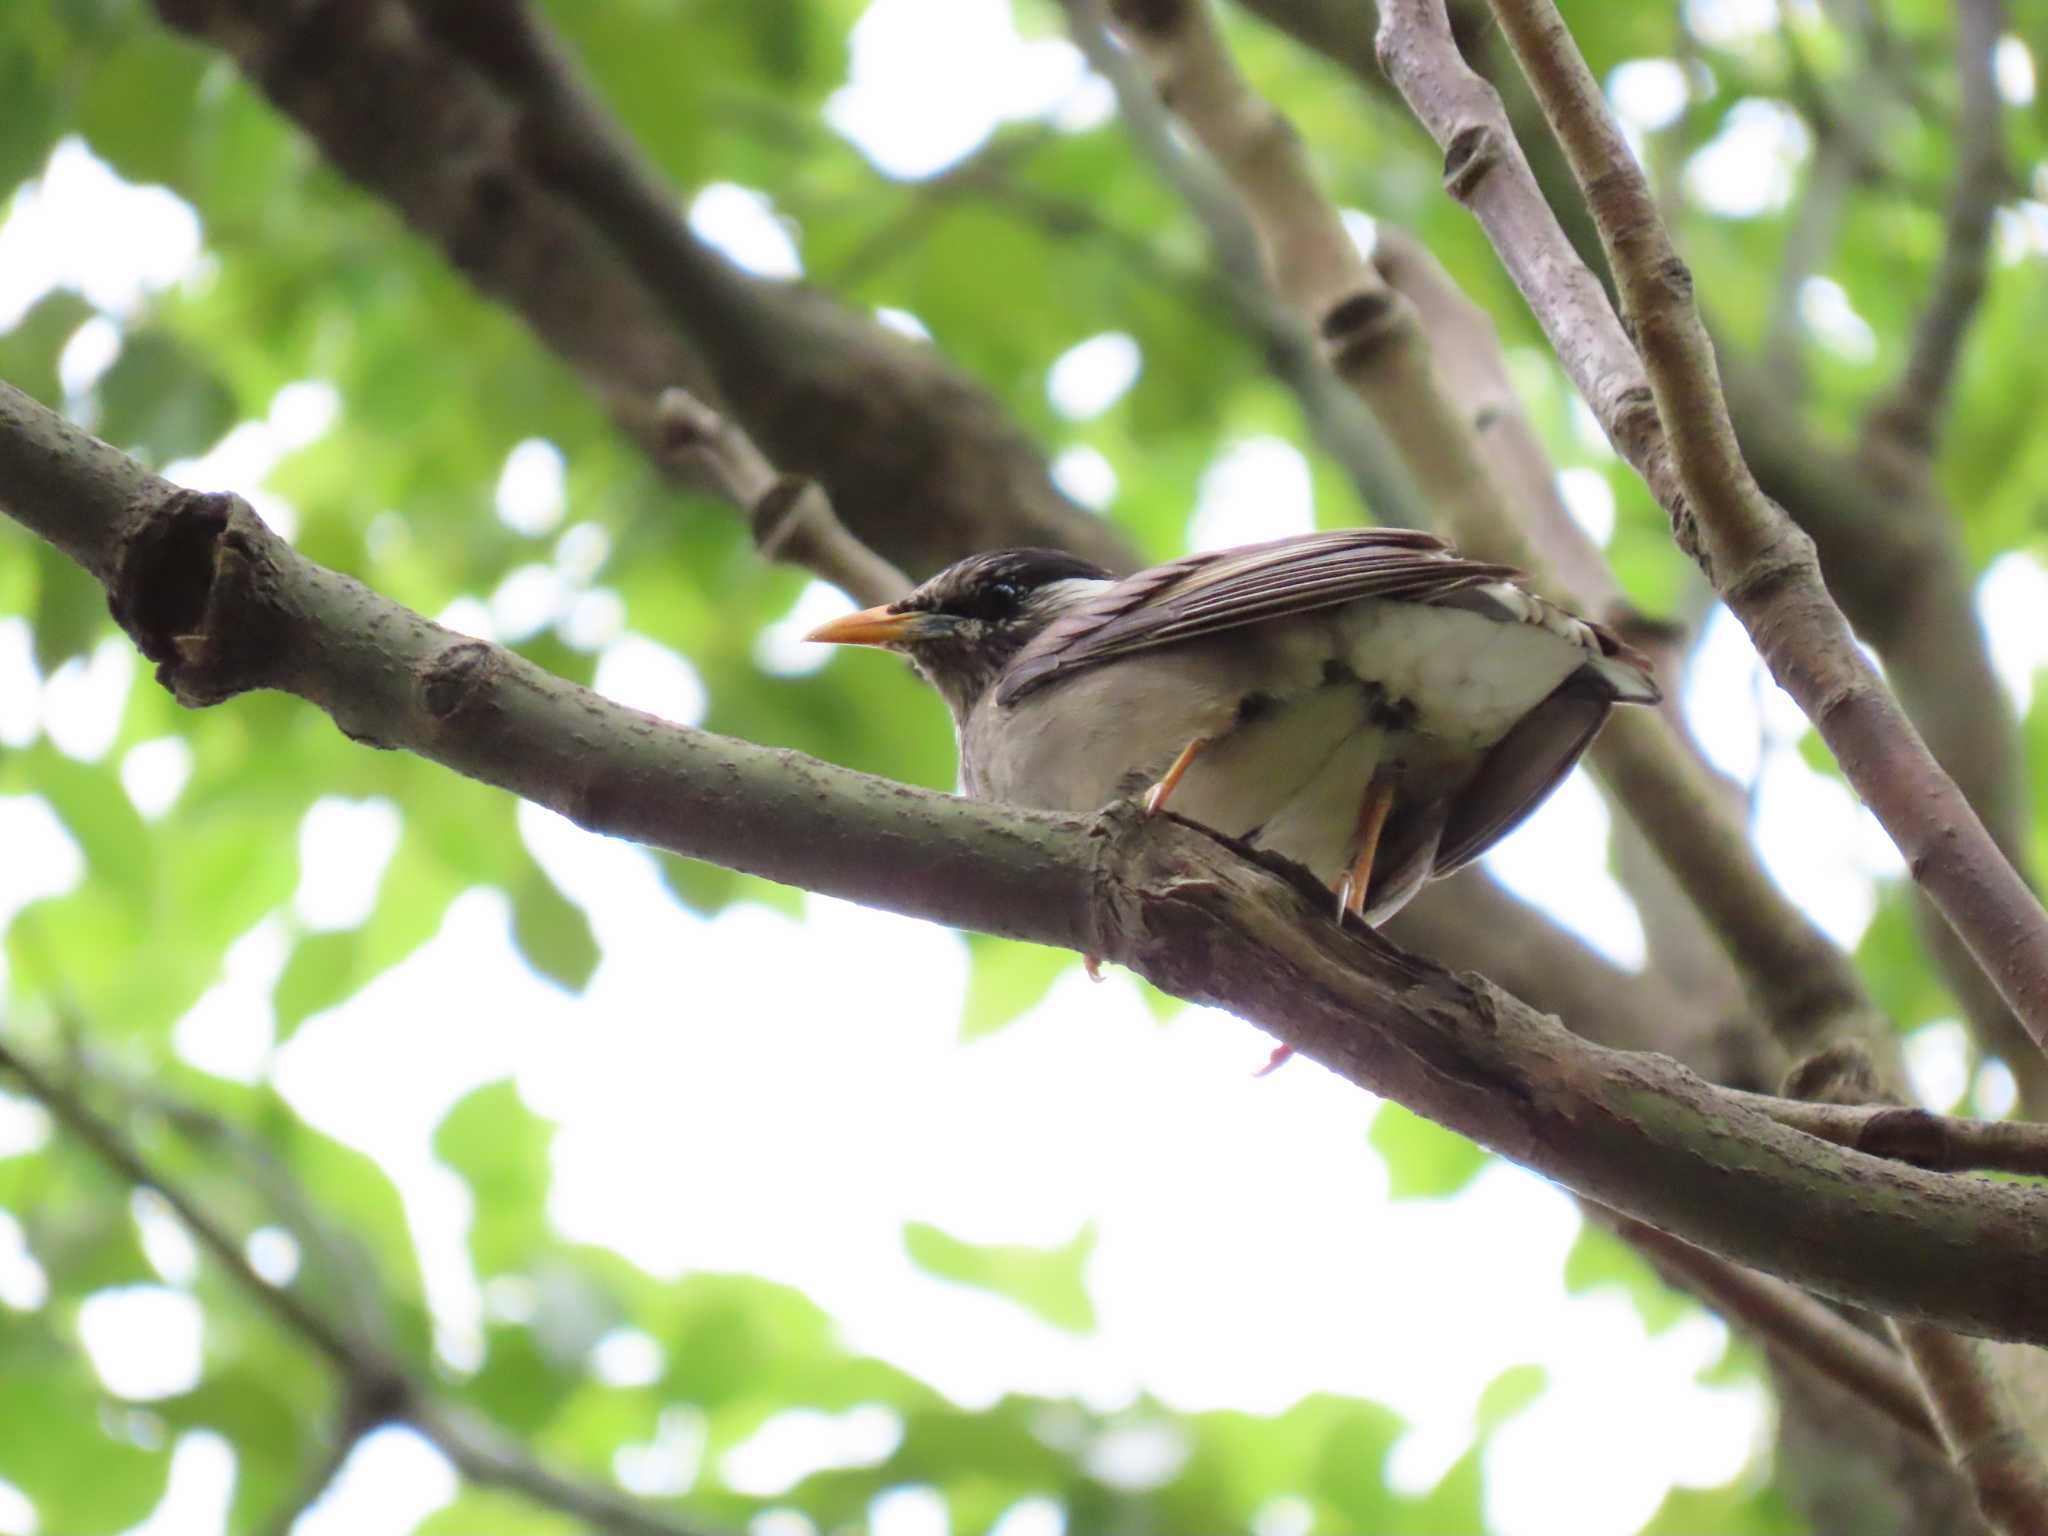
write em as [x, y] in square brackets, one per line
[1363, 702]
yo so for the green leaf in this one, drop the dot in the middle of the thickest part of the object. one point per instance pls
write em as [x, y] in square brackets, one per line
[501, 1514]
[1895, 964]
[70, 609]
[95, 810]
[703, 888]
[1742, 1508]
[1509, 1393]
[1049, 1283]
[552, 932]
[1008, 978]
[275, 1433]
[1598, 1258]
[162, 399]
[501, 1149]
[57, 1439]
[136, 107]
[1424, 1161]
[29, 352]
[521, 1385]
[1350, 1469]
[321, 972]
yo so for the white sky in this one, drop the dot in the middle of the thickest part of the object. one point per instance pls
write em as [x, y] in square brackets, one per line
[820, 1095]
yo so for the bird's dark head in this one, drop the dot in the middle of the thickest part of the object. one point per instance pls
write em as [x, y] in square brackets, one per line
[962, 627]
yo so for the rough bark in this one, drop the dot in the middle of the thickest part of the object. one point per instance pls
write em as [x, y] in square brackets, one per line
[1888, 545]
[223, 606]
[923, 464]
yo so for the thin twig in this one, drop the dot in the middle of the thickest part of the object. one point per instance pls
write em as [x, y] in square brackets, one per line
[489, 1458]
[1763, 565]
[337, 1254]
[1942, 1143]
[327, 1465]
[791, 517]
[1791, 1323]
[225, 606]
[1984, 1436]
[1916, 407]
[1889, 545]
[378, 1390]
[1369, 333]
[1802, 981]
[1336, 417]
[1958, 1378]
[353, 1356]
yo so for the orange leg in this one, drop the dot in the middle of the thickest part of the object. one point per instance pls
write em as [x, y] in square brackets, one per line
[1155, 797]
[1372, 820]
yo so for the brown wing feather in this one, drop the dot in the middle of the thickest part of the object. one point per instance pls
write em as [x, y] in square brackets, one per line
[1227, 589]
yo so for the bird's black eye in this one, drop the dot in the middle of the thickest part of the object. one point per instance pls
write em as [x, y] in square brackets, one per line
[1005, 595]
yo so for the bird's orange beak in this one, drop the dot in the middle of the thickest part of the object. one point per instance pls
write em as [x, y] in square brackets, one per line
[871, 626]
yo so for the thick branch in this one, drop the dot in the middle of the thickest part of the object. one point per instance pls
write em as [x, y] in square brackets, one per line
[1762, 564]
[1802, 982]
[1887, 546]
[224, 606]
[466, 118]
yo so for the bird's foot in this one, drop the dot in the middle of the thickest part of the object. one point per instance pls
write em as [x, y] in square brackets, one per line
[1092, 964]
[1280, 1053]
[1372, 819]
[1155, 797]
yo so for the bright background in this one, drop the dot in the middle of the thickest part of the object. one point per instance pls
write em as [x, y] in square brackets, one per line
[785, 1089]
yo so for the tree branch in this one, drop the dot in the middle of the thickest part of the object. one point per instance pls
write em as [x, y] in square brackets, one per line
[1978, 1426]
[1957, 1376]
[1804, 984]
[1946, 1143]
[489, 1458]
[1336, 417]
[223, 606]
[1763, 565]
[1467, 347]
[376, 1388]
[792, 519]
[1790, 1323]
[1913, 413]
[1887, 546]
[468, 120]
[354, 1356]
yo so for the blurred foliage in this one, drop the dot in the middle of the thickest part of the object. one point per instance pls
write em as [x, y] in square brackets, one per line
[305, 278]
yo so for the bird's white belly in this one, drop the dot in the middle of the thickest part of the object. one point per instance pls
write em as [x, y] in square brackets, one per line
[1419, 690]
[1469, 677]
